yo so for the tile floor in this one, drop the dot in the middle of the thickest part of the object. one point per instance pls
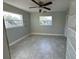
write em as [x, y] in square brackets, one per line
[40, 47]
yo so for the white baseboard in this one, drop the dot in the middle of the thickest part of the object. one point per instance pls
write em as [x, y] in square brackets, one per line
[47, 34]
[18, 40]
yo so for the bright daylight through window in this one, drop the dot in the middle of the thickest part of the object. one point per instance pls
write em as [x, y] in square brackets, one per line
[46, 20]
[12, 19]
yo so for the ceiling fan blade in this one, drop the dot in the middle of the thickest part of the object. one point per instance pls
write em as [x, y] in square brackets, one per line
[47, 4]
[36, 2]
[40, 10]
[47, 8]
[33, 7]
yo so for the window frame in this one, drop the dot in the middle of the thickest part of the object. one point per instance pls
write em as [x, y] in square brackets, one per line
[47, 24]
[17, 24]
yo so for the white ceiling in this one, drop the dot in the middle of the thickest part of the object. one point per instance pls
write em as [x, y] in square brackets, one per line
[58, 5]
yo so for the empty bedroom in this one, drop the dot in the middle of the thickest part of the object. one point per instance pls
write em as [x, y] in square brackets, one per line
[39, 29]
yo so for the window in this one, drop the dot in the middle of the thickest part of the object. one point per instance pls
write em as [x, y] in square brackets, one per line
[12, 19]
[46, 20]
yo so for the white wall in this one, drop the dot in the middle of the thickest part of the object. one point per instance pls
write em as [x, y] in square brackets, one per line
[17, 32]
[57, 26]
[70, 31]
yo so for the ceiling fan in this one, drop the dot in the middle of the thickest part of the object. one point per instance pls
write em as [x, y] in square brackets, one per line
[41, 5]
